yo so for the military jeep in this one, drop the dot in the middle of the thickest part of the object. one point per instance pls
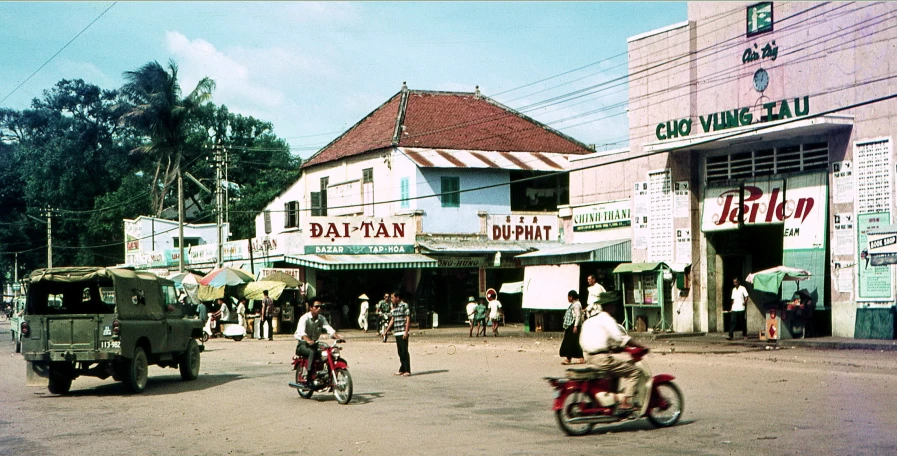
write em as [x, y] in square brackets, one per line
[105, 322]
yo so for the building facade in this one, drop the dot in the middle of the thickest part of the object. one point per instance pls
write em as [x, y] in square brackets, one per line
[761, 134]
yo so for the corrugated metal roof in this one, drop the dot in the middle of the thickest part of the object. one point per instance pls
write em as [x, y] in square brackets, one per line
[609, 251]
[448, 245]
[356, 262]
[454, 158]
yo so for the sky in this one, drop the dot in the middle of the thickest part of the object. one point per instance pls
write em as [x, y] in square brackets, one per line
[315, 69]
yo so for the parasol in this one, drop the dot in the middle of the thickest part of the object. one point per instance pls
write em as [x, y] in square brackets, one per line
[226, 276]
[253, 290]
[282, 277]
[771, 279]
[181, 278]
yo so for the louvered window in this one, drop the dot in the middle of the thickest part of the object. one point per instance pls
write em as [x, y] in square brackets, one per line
[291, 214]
[767, 162]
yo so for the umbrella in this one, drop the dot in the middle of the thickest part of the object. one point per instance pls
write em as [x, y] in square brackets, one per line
[771, 279]
[282, 277]
[180, 278]
[253, 290]
[226, 276]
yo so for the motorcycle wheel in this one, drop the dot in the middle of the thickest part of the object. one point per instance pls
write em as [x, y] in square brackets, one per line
[342, 388]
[570, 412]
[670, 405]
[205, 337]
[301, 375]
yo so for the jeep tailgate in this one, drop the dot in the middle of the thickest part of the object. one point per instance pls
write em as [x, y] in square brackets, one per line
[72, 332]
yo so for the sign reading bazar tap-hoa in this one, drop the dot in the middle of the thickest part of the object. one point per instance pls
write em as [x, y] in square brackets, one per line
[738, 117]
[358, 235]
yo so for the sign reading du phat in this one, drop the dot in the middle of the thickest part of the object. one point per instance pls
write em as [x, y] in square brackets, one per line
[522, 227]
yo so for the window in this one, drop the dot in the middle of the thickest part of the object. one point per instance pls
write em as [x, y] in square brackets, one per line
[449, 192]
[316, 210]
[767, 162]
[367, 191]
[291, 214]
[405, 192]
[267, 222]
[188, 242]
[325, 182]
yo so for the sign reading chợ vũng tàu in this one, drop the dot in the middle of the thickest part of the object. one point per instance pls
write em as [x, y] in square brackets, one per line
[738, 117]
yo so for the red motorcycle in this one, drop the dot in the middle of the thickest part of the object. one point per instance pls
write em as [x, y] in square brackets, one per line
[331, 373]
[587, 397]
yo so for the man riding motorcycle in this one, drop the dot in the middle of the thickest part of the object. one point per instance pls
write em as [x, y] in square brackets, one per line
[599, 338]
[308, 330]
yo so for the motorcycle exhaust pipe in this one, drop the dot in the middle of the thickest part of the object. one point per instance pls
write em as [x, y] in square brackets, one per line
[593, 419]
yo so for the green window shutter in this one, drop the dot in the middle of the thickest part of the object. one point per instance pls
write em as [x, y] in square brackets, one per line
[405, 192]
[449, 185]
[316, 204]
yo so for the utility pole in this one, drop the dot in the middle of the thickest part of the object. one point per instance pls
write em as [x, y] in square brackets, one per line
[180, 216]
[219, 196]
[49, 238]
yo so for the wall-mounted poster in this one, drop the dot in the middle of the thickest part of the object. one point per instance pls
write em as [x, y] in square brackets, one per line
[873, 176]
[683, 246]
[873, 282]
[640, 203]
[682, 200]
[844, 235]
[842, 175]
[660, 216]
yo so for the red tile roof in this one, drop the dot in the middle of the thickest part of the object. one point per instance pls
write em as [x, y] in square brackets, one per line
[447, 120]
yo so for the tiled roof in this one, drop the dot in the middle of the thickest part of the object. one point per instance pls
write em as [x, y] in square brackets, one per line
[447, 121]
[530, 161]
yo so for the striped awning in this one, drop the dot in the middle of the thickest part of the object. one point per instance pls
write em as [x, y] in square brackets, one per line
[607, 251]
[454, 158]
[362, 262]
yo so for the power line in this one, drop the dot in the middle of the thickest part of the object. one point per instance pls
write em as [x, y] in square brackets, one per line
[58, 52]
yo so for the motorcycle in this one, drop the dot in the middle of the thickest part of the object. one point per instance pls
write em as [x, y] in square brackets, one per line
[586, 397]
[331, 373]
[229, 330]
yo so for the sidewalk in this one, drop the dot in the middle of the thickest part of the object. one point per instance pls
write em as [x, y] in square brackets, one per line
[824, 343]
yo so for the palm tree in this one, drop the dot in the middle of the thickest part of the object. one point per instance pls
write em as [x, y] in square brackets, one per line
[158, 110]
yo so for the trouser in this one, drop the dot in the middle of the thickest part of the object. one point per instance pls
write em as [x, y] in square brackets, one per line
[737, 317]
[404, 357]
[311, 353]
[625, 372]
[363, 321]
[270, 328]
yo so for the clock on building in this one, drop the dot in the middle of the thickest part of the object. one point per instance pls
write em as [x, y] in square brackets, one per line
[761, 80]
[759, 18]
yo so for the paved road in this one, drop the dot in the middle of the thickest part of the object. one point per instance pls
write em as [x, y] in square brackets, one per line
[467, 396]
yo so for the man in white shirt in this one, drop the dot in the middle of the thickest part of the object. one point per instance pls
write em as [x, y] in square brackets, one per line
[363, 313]
[599, 337]
[736, 313]
[595, 290]
[308, 330]
[471, 312]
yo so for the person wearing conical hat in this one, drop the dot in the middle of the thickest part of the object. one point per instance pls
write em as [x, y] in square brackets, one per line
[363, 313]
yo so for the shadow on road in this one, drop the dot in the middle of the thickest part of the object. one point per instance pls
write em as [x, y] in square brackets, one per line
[631, 426]
[357, 398]
[440, 371]
[156, 386]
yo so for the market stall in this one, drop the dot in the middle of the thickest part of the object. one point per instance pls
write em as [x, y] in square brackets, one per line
[785, 319]
[647, 296]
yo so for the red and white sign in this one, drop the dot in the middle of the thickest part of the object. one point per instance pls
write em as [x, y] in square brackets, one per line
[358, 230]
[522, 227]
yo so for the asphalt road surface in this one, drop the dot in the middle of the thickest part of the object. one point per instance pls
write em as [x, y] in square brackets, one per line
[466, 396]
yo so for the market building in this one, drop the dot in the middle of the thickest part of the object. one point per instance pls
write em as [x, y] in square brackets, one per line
[422, 196]
[761, 134]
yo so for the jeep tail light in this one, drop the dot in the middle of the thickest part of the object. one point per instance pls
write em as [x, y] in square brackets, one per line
[116, 329]
[26, 329]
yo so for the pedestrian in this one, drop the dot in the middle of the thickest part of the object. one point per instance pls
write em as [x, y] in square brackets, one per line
[480, 315]
[595, 290]
[344, 322]
[572, 320]
[267, 316]
[241, 315]
[401, 321]
[202, 313]
[383, 312]
[363, 313]
[471, 314]
[736, 312]
[495, 310]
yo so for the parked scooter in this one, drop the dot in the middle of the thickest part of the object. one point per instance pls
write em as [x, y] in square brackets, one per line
[229, 330]
[587, 397]
[330, 373]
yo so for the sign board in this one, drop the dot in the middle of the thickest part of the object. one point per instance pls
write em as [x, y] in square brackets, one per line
[873, 282]
[296, 273]
[344, 198]
[358, 235]
[460, 262]
[522, 227]
[132, 236]
[601, 216]
[761, 203]
[883, 246]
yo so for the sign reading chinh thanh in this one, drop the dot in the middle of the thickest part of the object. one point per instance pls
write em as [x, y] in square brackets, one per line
[358, 235]
[522, 227]
[602, 216]
[738, 117]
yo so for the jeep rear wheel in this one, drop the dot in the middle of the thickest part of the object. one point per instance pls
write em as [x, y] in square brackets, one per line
[60, 381]
[189, 362]
[137, 371]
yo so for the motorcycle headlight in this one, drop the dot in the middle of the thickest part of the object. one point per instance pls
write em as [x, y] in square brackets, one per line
[335, 354]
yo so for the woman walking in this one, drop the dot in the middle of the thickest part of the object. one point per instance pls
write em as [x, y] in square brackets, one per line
[572, 322]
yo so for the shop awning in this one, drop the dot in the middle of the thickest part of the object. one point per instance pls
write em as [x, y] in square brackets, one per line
[639, 267]
[766, 131]
[610, 251]
[361, 262]
[477, 245]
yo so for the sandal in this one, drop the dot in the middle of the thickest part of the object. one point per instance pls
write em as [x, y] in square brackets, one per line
[399, 373]
[406, 374]
[566, 363]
